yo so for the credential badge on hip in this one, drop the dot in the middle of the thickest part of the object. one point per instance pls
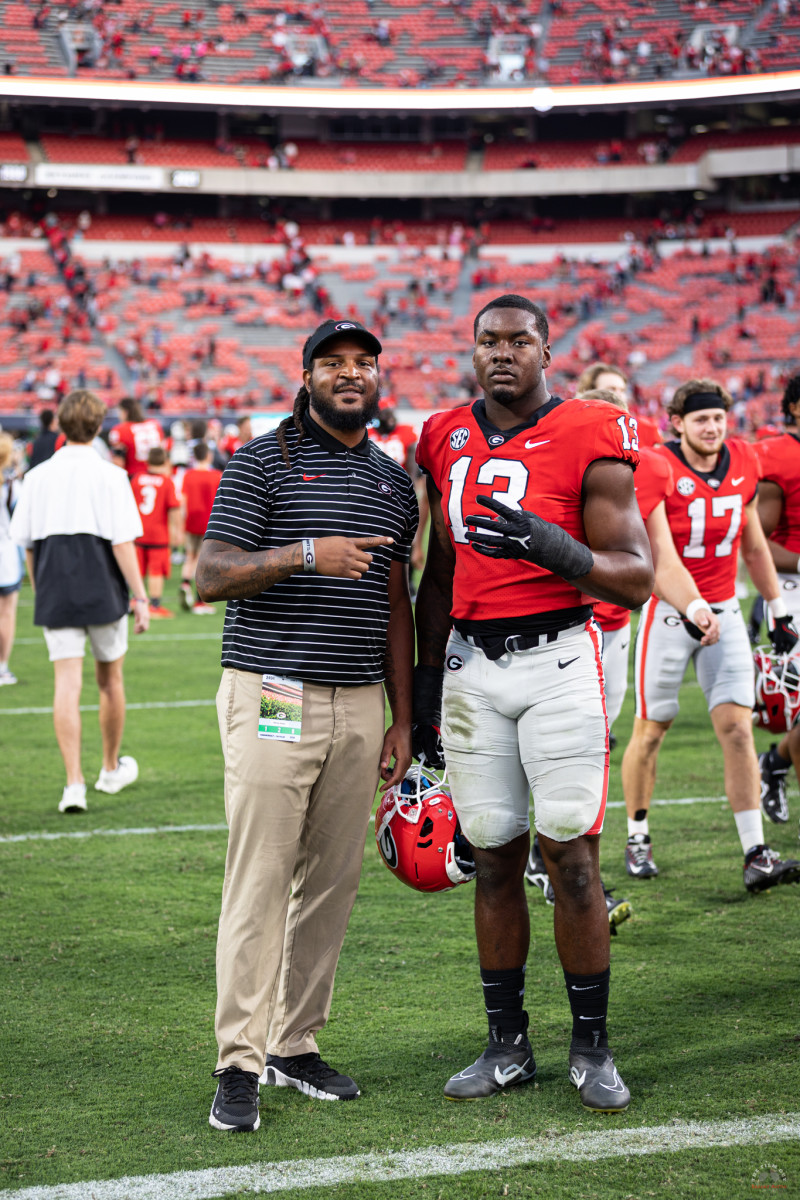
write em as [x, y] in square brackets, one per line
[280, 716]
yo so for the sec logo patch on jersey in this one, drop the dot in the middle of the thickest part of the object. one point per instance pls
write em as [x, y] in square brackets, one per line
[685, 486]
[459, 438]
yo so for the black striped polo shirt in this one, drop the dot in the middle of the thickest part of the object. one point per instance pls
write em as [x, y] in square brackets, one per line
[325, 630]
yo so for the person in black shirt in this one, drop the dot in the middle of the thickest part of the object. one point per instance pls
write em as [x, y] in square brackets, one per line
[309, 542]
[44, 445]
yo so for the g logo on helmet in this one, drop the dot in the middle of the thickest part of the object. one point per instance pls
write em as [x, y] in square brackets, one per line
[685, 486]
[459, 438]
[419, 837]
[388, 849]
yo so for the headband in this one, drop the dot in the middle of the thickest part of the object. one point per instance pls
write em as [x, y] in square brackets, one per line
[699, 400]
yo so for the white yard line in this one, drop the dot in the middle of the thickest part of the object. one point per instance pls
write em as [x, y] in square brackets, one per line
[580, 1146]
[133, 832]
[149, 829]
[42, 712]
[151, 637]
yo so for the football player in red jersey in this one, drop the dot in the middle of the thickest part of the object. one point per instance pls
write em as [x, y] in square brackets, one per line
[712, 511]
[653, 482]
[400, 442]
[136, 434]
[779, 510]
[611, 379]
[160, 510]
[504, 625]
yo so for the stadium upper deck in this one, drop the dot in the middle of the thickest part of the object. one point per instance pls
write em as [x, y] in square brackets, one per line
[398, 43]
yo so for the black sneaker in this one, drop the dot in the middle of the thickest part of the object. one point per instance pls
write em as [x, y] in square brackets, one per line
[763, 868]
[501, 1065]
[639, 857]
[597, 1080]
[773, 789]
[536, 872]
[235, 1106]
[311, 1075]
[618, 910]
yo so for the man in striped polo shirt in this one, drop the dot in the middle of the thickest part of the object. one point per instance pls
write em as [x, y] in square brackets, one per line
[309, 542]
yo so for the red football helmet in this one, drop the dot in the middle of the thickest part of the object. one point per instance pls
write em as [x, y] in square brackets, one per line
[777, 706]
[419, 837]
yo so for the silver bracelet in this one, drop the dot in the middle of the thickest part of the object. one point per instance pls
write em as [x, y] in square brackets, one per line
[309, 557]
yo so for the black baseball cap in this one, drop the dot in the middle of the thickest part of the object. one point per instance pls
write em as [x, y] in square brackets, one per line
[333, 329]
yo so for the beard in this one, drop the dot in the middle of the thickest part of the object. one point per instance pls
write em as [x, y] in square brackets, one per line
[345, 420]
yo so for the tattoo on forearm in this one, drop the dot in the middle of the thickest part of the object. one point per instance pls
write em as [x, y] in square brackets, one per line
[234, 574]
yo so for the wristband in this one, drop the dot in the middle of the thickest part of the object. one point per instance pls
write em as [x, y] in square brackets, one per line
[777, 608]
[694, 608]
[309, 557]
[140, 600]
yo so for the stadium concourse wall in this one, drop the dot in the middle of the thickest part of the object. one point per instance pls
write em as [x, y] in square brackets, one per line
[606, 180]
[255, 252]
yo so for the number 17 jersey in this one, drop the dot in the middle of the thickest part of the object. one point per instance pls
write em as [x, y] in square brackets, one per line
[706, 514]
[538, 467]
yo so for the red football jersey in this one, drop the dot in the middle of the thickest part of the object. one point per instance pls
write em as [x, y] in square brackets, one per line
[779, 459]
[155, 496]
[137, 438]
[199, 489]
[538, 466]
[648, 433]
[397, 443]
[706, 515]
[653, 482]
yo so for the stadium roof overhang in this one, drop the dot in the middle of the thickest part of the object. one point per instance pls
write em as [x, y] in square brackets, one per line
[222, 97]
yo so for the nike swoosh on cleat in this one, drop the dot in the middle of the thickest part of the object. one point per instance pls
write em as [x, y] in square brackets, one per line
[530, 445]
[509, 1073]
[619, 1085]
[568, 663]
[736, 482]
[765, 870]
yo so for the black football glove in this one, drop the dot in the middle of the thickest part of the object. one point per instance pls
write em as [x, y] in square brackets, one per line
[519, 534]
[783, 635]
[696, 632]
[426, 743]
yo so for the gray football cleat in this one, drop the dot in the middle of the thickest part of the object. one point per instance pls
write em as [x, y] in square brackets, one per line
[597, 1080]
[501, 1065]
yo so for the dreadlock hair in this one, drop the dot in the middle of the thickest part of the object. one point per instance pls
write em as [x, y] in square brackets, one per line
[301, 402]
[790, 396]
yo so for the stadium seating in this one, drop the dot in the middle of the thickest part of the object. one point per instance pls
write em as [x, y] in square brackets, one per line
[600, 40]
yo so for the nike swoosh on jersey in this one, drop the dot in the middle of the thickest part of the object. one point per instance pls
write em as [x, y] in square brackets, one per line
[568, 663]
[530, 445]
[736, 482]
[309, 478]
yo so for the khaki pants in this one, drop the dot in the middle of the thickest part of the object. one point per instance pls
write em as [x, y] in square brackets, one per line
[297, 814]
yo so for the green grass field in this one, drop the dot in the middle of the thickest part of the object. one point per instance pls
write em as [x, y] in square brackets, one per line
[108, 977]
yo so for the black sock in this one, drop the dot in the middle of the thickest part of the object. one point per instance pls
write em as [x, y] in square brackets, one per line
[588, 999]
[777, 764]
[504, 996]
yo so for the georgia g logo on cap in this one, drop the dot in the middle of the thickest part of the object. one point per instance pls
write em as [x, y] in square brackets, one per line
[345, 325]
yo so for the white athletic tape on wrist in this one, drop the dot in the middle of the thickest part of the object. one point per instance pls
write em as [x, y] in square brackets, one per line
[695, 607]
[777, 608]
[309, 557]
